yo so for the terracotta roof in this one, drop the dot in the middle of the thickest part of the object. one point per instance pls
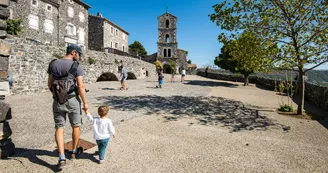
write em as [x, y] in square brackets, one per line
[110, 22]
[192, 66]
[83, 4]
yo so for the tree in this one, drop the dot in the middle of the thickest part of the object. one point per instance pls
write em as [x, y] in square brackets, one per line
[136, 46]
[158, 65]
[173, 66]
[14, 27]
[299, 27]
[246, 55]
[189, 62]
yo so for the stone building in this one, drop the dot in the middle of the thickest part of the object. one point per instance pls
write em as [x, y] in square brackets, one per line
[167, 45]
[104, 34]
[54, 22]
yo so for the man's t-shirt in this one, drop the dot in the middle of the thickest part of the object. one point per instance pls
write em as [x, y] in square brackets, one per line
[60, 68]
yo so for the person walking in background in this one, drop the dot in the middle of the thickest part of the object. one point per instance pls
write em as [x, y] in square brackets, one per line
[103, 130]
[67, 98]
[206, 72]
[183, 74]
[123, 77]
[160, 77]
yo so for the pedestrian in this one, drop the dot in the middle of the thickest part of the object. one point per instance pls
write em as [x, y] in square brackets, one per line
[123, 77]
[103, 130]
[183, 74]
[206, 72]
[160, 77]
[65, 81]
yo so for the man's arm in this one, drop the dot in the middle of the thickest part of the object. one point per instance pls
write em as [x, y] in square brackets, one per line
[81, 90]
[49, 81]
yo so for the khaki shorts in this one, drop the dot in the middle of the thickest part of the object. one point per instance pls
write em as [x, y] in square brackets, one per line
[72, 109]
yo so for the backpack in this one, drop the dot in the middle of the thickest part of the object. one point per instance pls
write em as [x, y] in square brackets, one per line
[62, 87]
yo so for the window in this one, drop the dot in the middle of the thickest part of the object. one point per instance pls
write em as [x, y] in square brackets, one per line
[49, 7]
[112, 30]
[81, 36]
[116, 45]
[70, 12]
[48, 26]
[11, 13]
[169, 53]
[33, 21]
[70, 29]
[167, 23]
[81, 16]
[111, 44]
[164, 52]
[123, 36]
[167, 38]
[116, 32]
[34, 3]
[123, 48]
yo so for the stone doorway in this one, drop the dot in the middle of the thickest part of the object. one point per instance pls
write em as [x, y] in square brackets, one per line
[107, 77]
[167, 69]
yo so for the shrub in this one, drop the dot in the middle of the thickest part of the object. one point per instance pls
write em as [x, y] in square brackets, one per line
[91, 61]
[14, 27]
[286, 108]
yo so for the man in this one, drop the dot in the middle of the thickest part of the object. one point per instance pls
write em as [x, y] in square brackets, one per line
[123, 77]
[72, 107]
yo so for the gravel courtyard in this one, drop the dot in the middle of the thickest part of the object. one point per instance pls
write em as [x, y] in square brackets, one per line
[201, 125]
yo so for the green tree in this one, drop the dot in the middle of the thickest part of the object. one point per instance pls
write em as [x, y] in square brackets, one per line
[189, 62]
[299, 27]
[173, 66]
[246, 55]
[14, 27]
[138, 47]
[158, 65]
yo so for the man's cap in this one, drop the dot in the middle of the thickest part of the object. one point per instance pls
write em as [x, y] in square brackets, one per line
[75, 47]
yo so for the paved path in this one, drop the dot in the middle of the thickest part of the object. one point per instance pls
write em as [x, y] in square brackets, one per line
[199, 126]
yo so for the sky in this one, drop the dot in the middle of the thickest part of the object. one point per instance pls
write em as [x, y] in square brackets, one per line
[195, 31]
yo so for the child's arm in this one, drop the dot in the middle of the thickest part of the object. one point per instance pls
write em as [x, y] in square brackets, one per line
[89, 117]
[111, 128]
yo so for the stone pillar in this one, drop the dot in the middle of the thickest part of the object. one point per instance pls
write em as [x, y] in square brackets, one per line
[6, 146]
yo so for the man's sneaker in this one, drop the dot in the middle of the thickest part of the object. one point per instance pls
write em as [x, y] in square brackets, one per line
[78, 153]
[61, 164]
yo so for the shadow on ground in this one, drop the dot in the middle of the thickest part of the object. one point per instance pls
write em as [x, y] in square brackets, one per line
[207, 110]
[33, 156]
[211, 83]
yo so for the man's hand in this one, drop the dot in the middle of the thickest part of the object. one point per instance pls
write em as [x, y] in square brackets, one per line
[85, 108]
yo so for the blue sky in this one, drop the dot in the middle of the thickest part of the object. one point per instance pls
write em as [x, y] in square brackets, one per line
[195, 32]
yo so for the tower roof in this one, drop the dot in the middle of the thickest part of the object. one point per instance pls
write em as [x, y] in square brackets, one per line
[165, 14]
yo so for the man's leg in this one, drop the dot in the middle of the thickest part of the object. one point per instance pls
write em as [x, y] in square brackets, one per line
[59, 135]
[75, 136]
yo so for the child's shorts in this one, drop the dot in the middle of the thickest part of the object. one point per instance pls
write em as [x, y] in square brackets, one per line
[160, 81]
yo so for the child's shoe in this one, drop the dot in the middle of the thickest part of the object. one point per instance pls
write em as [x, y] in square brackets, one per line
[101, 161]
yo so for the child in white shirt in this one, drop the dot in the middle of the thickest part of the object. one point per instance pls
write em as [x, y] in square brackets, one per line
[103, 129]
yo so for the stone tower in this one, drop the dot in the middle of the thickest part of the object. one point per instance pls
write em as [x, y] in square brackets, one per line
[167, 45]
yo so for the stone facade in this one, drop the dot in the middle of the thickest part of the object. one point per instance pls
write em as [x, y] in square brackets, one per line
[29, 62]
[53, 22]
[105, 34]
[7, 148]
[167, 45]
[317, 95]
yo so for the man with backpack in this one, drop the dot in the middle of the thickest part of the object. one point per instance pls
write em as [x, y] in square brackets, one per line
[65, 81]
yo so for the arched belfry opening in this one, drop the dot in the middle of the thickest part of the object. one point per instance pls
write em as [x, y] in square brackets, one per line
[167, 38]
[167, 23]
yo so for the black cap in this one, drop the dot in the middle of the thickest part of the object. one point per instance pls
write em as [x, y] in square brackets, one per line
[75, 47]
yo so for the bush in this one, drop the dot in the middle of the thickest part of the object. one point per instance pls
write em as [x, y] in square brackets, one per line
[286, 108]
[91, 61]
[14, 27]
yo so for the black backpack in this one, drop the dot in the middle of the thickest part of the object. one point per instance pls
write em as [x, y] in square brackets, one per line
[63, 86]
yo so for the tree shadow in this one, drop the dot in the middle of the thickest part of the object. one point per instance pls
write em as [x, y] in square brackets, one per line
[210, 83]
[208, 110]
[33, 156]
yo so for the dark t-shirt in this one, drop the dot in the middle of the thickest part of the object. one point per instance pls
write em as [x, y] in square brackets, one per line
[60, 68]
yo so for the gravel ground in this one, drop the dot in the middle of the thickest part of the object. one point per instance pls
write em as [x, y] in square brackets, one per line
[199, 126]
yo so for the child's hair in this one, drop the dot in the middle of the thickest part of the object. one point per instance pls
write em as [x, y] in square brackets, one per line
[103, 111]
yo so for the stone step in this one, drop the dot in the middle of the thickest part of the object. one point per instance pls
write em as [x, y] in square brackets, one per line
[7, 150]
[5, 130]
[5, 111]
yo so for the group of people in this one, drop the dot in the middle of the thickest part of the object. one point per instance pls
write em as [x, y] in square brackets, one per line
[160, 75]
[65, 81]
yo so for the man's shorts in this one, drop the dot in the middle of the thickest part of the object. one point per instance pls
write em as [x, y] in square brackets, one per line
[72, 108]
[160, 81]
[123, 80]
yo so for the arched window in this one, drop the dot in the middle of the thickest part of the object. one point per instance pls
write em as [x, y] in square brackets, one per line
[167, 38]
[164, 52]
[169, 53]
[167, 23]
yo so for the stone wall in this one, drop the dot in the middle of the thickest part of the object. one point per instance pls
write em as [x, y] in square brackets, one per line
[23, 9]
[96, 33]
[317, 95]
[29, 62]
